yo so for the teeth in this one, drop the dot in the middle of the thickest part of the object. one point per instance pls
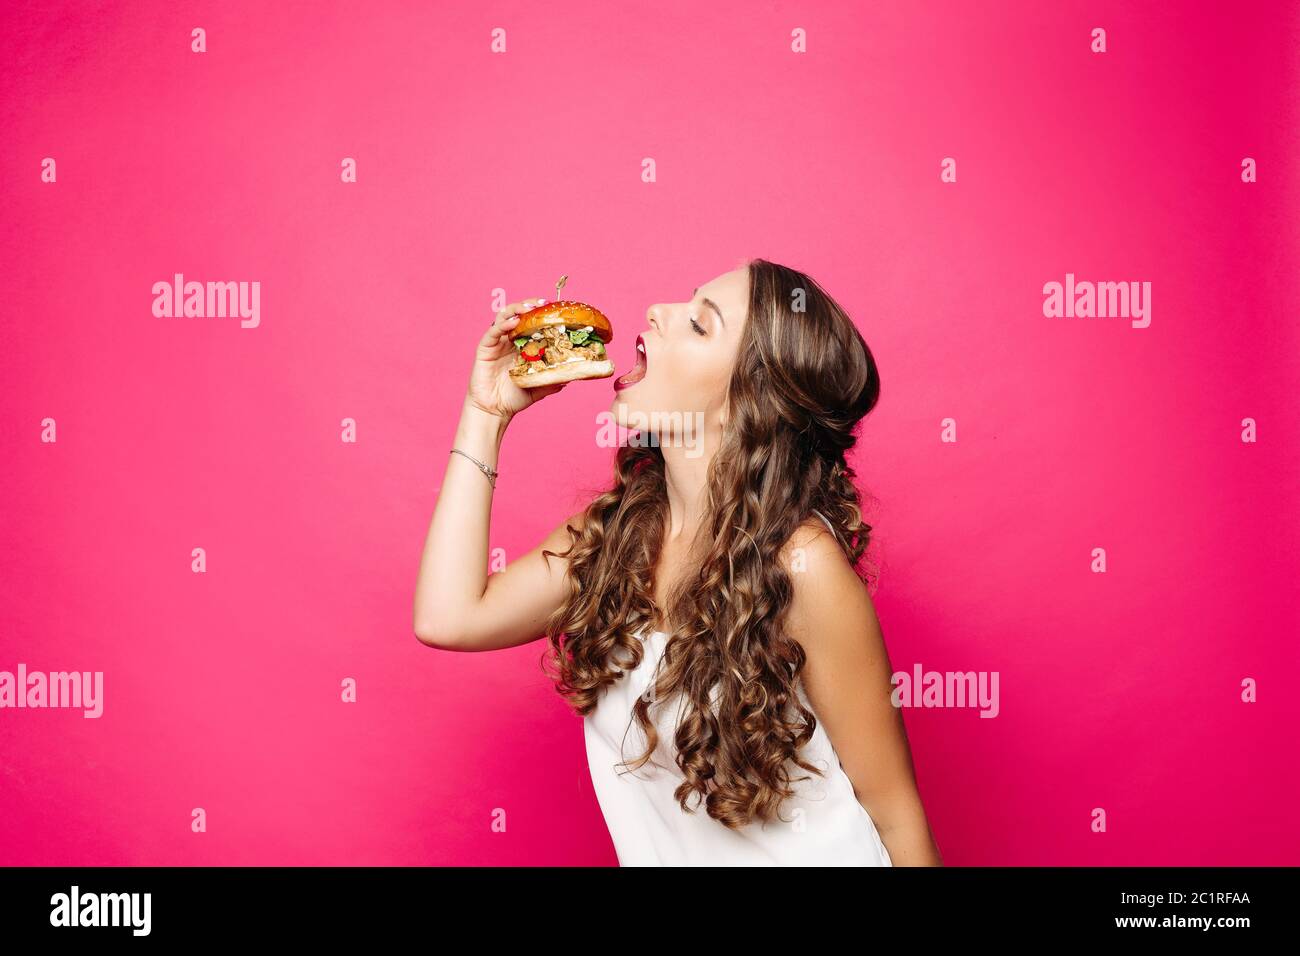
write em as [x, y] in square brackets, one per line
[640, 347]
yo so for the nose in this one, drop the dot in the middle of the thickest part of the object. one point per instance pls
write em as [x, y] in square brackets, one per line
[652, 318]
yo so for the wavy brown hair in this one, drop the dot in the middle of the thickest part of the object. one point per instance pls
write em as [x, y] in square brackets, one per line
[803, 379]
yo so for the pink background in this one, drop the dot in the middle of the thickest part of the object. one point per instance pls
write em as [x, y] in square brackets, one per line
[480, 171]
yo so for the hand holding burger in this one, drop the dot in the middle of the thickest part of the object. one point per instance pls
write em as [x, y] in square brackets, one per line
[499, 382]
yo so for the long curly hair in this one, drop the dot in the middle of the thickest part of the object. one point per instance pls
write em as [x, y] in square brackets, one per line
[804, 377]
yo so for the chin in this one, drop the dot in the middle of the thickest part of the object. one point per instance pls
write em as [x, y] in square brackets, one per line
[624, 407]
[635, 410]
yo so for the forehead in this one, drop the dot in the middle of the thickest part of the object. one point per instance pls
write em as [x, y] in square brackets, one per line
[730, 290]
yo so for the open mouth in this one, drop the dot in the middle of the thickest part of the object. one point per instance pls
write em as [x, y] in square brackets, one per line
[638, 370]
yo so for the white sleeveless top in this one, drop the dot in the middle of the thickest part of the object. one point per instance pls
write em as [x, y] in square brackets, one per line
[827, 825]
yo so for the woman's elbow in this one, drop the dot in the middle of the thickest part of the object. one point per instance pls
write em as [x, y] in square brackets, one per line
[437, 635]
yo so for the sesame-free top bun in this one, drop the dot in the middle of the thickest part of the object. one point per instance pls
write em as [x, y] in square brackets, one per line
[573, 315]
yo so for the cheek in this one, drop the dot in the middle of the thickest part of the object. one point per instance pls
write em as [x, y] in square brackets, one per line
[679, 389]
[707, 384]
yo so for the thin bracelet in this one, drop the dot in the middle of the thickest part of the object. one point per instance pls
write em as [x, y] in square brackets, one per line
[489, 471]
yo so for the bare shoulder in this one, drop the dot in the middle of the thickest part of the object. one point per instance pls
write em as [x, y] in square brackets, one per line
[830, 602]
[813, 558]
[811, 532]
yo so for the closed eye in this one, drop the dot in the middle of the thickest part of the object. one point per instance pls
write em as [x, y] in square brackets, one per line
[696, 326]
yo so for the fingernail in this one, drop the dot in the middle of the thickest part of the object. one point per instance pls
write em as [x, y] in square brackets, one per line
[541, 301]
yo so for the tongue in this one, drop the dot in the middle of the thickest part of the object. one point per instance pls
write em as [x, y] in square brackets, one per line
[637, 373]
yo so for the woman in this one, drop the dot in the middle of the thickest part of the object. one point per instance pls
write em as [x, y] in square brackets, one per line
[705, 614]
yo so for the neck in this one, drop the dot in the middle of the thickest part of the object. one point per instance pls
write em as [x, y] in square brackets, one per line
[686, 471]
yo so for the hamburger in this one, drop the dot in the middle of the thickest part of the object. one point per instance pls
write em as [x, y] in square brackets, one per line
[561, 342]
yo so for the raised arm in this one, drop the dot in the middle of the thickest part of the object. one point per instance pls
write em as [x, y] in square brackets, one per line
[458, 605]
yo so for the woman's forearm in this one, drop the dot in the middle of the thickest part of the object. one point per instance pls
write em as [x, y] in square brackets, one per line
[453, 566]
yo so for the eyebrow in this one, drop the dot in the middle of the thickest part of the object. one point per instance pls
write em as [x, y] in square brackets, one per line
[711, 304]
